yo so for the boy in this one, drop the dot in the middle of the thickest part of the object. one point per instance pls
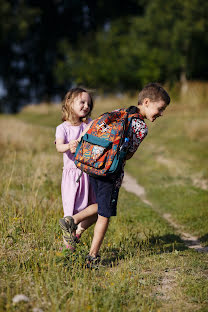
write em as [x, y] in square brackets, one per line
[152, 102]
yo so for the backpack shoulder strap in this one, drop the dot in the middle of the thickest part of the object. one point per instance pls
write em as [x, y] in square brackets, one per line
[132, 110]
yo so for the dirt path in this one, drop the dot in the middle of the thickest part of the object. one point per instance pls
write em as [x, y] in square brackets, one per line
[130, 184]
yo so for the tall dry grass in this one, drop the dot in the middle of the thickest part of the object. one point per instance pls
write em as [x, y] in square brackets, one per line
[140, 251]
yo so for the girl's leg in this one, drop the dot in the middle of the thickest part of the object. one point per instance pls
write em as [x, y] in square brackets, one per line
[101, 227]
[84, 225]
[89, 213]
[85, 213]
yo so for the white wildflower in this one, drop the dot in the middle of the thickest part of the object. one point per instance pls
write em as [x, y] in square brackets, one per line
[37, 310]
[19, 298]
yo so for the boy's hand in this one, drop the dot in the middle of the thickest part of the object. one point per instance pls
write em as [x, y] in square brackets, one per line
[73, 145]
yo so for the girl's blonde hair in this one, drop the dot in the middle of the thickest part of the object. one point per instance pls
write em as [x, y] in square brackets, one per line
[67, 109]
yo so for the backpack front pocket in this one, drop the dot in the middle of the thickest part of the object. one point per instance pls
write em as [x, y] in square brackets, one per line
[93, 151]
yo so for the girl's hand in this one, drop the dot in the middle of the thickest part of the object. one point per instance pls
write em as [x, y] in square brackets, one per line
[64, 147]
[73, 145]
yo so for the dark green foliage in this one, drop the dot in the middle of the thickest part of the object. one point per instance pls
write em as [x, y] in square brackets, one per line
[161, 44]
[47, 46]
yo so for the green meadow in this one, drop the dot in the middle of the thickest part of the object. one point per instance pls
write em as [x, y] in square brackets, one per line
[145, 265]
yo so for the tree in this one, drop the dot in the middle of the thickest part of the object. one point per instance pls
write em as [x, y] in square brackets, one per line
[30, 33]
[166, 42]
[172, 30]
[46, 46]
[14, 27]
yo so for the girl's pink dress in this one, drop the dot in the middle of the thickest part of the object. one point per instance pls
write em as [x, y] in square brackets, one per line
[75, 196]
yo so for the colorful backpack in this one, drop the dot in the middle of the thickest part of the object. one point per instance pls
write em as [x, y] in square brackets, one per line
[101, 150]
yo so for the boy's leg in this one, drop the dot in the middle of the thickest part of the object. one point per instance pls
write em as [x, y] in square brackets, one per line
[101, 227]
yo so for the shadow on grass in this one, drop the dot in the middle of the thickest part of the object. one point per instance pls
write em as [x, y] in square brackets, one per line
[167, 243]
[204, 239]
[112, 257]
[151, 245]
[128, 247]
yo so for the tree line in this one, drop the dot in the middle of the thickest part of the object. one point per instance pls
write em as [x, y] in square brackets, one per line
[48, 46]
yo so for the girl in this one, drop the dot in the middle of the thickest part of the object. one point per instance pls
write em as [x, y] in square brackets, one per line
[76, 196]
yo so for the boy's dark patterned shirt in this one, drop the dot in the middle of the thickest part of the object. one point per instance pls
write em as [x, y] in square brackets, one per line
[136, 135]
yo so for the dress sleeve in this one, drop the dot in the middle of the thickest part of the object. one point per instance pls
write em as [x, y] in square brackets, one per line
[85, 124]
[60, 132]
[137, 133]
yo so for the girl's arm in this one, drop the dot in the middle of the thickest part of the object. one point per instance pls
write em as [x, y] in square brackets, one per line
[62, 148]
[72, 145]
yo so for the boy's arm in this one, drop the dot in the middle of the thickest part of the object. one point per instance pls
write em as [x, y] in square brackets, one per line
[138, 132]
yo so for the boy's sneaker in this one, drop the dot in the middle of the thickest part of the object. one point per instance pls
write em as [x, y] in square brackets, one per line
[69, 232]
[92, 262]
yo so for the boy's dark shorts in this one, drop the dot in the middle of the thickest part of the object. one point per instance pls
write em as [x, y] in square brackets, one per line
[106, 194]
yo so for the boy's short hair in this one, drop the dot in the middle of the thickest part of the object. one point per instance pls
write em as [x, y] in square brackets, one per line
[155, 92]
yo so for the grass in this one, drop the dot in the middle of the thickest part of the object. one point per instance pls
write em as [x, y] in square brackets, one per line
[145, 265]
[174, 170]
